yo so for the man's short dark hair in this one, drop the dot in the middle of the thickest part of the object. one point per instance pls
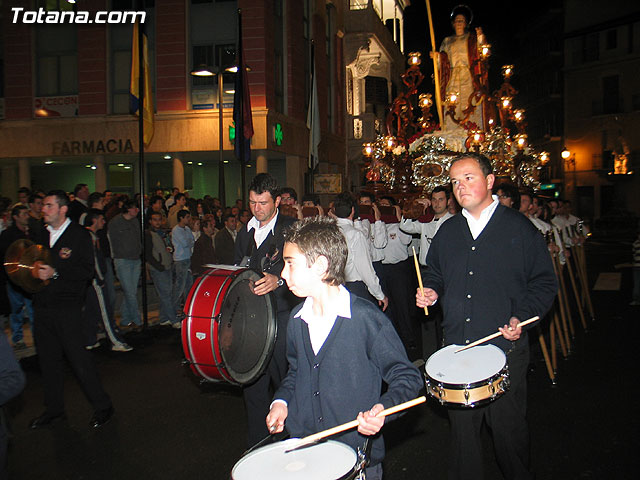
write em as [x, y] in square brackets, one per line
[370, 196]
[343, 204]
[155, 199]
[227, 216]
[92, 214]
[153, 212]
[483, 162]
[292, 193]
[34, 196]
[79, 187]
[205, 223]
[15, 211]
[391, 200]
[311, 197]
[316, 236]
[510, 191]
[263, 182]
[178, 197]
[182, 214]
[94, 198]
[61, 197]
[24, 190]
[129, 203]
[442, 188]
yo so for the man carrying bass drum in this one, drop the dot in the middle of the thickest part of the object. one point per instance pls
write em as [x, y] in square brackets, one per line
[259, 247]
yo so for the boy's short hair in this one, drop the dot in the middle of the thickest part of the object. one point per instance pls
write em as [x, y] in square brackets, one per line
[92, 214]
[315, 236]
[182, 213]
[342, 205]
[483, 162]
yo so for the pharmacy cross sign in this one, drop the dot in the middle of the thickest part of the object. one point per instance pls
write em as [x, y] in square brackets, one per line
[278, 134]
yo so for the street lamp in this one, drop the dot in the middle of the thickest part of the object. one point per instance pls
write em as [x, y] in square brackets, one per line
[205, 71]
[570, 160]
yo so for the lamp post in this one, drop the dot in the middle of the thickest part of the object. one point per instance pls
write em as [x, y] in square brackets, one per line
[205, 71]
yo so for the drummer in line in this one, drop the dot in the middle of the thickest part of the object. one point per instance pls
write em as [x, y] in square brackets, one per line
[340, 347]
[488, 266]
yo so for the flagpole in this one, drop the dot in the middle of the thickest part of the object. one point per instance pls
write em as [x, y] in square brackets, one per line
[141, 171]
[240, 132]
[311, 106]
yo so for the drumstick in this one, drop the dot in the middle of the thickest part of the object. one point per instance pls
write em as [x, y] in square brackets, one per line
[415, 259]
[354, 423]
[497, 334]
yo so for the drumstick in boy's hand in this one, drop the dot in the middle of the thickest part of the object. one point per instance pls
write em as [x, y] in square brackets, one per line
[415, 259]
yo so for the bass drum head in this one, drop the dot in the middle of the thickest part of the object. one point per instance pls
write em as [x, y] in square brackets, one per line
[247, 329]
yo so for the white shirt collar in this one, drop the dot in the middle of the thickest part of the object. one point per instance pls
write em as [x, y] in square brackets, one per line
[262, 232]
[56, 233]
[477, 226]
[320, 327]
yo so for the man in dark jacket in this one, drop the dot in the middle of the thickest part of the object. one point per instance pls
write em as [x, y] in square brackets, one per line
[225, 240]
[160, 262]
[491, 270]
[259, 247]
[203, 251]
[58, 321]
[19, 299]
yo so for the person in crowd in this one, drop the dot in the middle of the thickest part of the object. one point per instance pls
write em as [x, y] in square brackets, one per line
[397, 283]
[11, 384]
[196, 229]
[357, 344]
[360, 277]
[225, 241]
[182, 241]
[508, 195]
[19, 299]
[180, 204]
[80, 203]
[160, 263]
[172, 198]
[98, 314]
[491, 270]
[36, 223]
[23, 195]
[203, 250]
[374, 230]
[156, 205]
[58, 330]
[439, 201]
[259, 247]
[96, 201]
[289, 202]
[126, 248]
[108, 198]
[243, 220]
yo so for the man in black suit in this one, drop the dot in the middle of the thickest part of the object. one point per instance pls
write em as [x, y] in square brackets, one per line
[80, 203]
[259, 246]
[225, 240]
[58, 321]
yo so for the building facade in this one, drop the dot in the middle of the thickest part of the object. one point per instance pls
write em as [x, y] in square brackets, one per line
[602, 106]
[64, 108]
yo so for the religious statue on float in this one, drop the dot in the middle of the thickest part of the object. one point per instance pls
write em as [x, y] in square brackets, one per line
[462, 73]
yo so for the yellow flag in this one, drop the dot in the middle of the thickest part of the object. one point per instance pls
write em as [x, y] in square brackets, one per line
[134, 95]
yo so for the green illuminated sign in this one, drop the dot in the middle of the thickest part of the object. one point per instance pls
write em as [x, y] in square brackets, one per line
[278, 134]
[547, 186]
[232, 133]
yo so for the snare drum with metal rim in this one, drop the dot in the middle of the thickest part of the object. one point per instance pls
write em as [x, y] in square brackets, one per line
[328, 460]
[469, 378]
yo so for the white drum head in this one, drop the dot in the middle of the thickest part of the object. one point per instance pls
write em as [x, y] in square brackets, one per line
[329, 460]
[469, 366]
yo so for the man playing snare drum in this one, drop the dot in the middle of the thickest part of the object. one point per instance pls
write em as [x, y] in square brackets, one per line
[490, 268]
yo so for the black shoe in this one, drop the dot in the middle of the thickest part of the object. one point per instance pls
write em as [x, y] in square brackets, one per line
[46, 419]
[101, 417]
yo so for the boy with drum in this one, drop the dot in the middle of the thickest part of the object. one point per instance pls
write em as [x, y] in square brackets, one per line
[340, 347]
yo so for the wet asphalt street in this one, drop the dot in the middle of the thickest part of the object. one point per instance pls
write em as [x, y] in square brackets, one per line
[167, 426]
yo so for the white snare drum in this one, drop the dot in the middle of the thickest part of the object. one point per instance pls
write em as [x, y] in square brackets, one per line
[328, 460]
[469, 378]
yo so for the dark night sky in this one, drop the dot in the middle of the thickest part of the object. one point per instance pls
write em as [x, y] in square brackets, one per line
[499, 19]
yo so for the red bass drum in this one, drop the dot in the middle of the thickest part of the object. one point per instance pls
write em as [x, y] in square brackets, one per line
[229, 332]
